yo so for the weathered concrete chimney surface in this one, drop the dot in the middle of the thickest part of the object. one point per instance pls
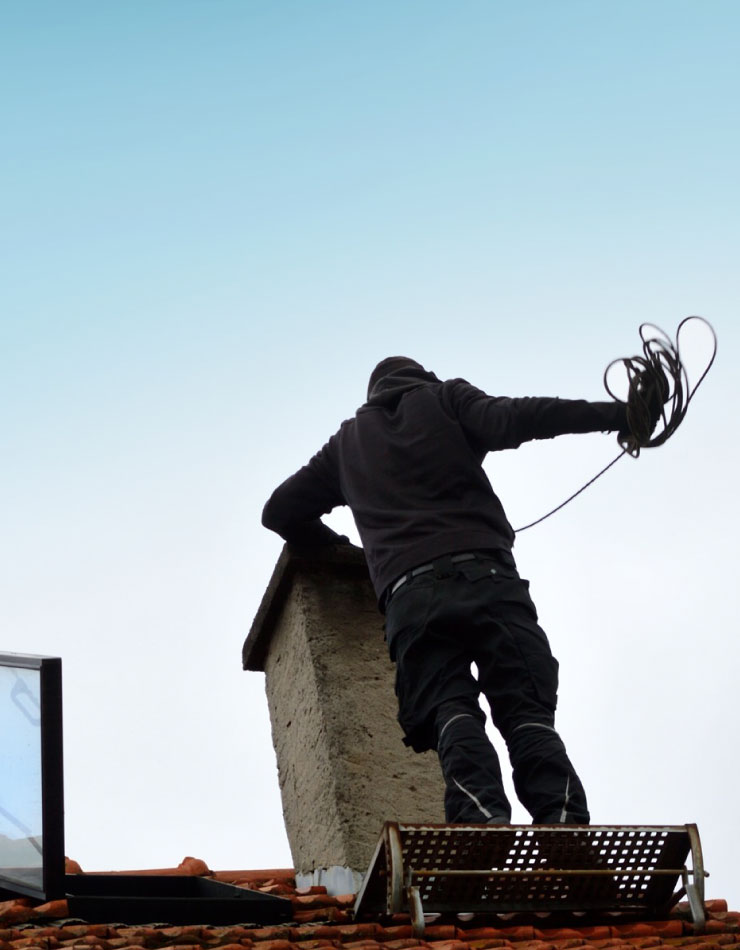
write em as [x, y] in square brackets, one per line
[342, 765]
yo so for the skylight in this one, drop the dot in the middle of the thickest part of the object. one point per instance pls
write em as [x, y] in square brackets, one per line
[32, 823]
[31, 792]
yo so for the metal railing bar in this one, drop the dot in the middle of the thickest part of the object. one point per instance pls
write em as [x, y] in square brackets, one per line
[542, 872]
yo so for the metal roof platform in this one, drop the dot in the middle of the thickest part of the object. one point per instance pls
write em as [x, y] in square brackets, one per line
[579, 873]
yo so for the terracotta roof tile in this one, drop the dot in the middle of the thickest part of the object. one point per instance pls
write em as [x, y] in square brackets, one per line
[324, 922]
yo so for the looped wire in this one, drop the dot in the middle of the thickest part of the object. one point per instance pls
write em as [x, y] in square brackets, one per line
[657, 380]
[658, 376]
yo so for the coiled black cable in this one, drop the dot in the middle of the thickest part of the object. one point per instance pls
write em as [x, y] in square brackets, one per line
[659, 377]
[658, 395]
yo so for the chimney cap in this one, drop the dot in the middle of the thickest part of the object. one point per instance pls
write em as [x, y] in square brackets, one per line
[328, 559]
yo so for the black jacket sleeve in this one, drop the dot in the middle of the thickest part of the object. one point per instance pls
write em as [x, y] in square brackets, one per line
[496, 422]
[294, 509]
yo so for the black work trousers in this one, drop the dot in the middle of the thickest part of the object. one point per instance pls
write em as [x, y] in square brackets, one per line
[479, 611]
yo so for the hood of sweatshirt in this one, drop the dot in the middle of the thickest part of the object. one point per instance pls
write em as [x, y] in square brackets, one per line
[389, 389]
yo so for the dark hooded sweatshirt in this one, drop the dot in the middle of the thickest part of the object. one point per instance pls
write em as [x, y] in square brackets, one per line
[409, 467]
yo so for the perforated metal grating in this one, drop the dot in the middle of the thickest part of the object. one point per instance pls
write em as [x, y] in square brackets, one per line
[524, 850]
[524, 868]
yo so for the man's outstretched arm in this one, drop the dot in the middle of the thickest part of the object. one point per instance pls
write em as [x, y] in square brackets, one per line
[496, 422]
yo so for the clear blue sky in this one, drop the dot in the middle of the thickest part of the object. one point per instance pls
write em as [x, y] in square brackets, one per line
[216, 216]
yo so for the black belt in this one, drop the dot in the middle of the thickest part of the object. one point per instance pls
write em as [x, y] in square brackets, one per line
[424, 569]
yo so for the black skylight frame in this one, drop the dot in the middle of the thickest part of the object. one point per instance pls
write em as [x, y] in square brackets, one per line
[47, 881]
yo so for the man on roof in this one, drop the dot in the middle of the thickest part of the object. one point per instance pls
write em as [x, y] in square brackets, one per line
[438, 548]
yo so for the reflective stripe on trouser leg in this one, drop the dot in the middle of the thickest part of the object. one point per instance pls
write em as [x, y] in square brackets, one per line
[566, 798]
[544, 777]
[481, 808]
[450, 721]
[474, 789]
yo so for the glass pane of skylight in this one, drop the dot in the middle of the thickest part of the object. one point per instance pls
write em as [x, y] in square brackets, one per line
[21, 852]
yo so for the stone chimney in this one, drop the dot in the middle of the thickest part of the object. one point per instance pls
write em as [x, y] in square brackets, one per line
[342, 765]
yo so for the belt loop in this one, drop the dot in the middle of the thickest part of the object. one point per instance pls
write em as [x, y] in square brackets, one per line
[444, 567]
